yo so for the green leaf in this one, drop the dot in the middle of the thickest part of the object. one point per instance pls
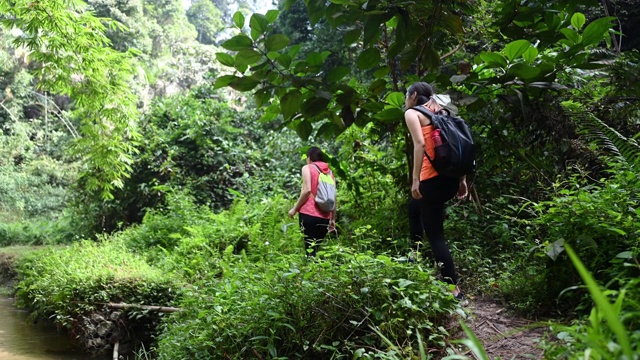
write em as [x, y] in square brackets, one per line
[262, 96]
[390, 115]
[225, 59]
[596, 30]
[317, 59]
[238, 42]
[578, 20]
[223, 81]
[337, 74]
[304, 129]
[352, 36]
[372, 29]
[603, 305]
[314, 106]
[530, 54]
[571, 35]
[395, 99]
[276, 42]
[473, 343]
[523, 71]
[247, 57]
[378, 86]
[284, 60]
[368, 59]
[238, 19]
[516, 48]
[259, 23]
[290, 104]
[383, 72]
[493, 59]
[246, 83]
[272, 15]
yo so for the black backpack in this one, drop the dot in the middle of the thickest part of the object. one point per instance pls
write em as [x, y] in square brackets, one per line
[455, 157]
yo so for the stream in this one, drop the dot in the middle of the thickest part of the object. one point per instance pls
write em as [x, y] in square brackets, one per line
[21, 339]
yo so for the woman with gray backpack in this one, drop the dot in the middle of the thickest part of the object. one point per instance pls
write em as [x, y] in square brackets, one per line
[316, 204]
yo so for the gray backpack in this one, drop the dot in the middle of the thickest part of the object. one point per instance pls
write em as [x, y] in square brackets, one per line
[325, 197]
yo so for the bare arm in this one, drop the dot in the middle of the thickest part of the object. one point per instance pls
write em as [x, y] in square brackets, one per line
[413, 123]
[304, 193]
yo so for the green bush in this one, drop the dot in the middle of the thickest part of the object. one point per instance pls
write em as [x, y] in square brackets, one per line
[289, 307]
[66, 282]
[599, 220]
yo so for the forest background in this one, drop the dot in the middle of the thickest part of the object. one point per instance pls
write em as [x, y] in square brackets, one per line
[155, 148]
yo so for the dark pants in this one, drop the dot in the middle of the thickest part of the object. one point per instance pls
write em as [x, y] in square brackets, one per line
[428, 214]
[314, 229]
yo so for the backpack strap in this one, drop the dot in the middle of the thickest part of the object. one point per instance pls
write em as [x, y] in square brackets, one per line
[430, 114]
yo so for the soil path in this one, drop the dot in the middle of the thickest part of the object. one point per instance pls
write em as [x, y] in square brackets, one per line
[502, 333]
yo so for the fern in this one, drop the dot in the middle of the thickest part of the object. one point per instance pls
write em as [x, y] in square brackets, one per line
[594, 130]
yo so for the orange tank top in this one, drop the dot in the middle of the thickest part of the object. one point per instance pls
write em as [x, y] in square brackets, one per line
[427, 171]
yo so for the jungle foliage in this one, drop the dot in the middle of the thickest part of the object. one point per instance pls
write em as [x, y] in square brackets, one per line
[171, 140]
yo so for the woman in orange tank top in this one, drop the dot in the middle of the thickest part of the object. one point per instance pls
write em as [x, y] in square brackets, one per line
[432, 190]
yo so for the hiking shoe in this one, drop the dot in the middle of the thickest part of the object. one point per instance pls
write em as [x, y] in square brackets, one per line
[462, 300]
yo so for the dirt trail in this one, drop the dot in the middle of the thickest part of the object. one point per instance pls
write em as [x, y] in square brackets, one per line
[503, 334]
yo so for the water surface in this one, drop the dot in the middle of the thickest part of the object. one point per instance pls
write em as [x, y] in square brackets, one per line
[21, 339]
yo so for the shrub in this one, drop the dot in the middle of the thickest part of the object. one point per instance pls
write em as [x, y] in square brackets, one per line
[599, 220]
[289, 307]
[73, 284]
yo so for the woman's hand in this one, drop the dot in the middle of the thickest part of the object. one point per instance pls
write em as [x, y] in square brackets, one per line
[292, 212]
[462, 189]
[415, 189]
[332, 226]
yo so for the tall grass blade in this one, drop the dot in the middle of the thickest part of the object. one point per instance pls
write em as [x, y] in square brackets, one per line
[604, 307]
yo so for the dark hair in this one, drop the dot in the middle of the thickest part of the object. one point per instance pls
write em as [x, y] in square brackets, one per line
[315, 154]
[424, 91]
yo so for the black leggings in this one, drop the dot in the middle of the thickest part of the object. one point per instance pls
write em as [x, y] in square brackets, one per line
[428, 214]
[314, 229]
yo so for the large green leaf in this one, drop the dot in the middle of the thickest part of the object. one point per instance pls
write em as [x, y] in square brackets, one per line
[390, 115]
[572, 36]
[530, 54]
[246, 83]
[304, 129]
[284, 60]
[276, 42]
[337, 73]
[368, 59]
[596, 30]
[372, 29]
[290, 104]
[223, 81]
[382, 72]
[378, 86]
[314, 106]
[262, 96]
[272, 15]
[259, 23]
[225, 59]
[578, 20]
[238, 19]
[238, 42]
[453, 23]
[317, 59]
[352, 36]
[524, 71]
[493, 59]
[516, 48]
[247, 57]
[396, 99]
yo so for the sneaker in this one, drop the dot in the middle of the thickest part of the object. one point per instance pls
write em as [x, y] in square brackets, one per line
[462, 300]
